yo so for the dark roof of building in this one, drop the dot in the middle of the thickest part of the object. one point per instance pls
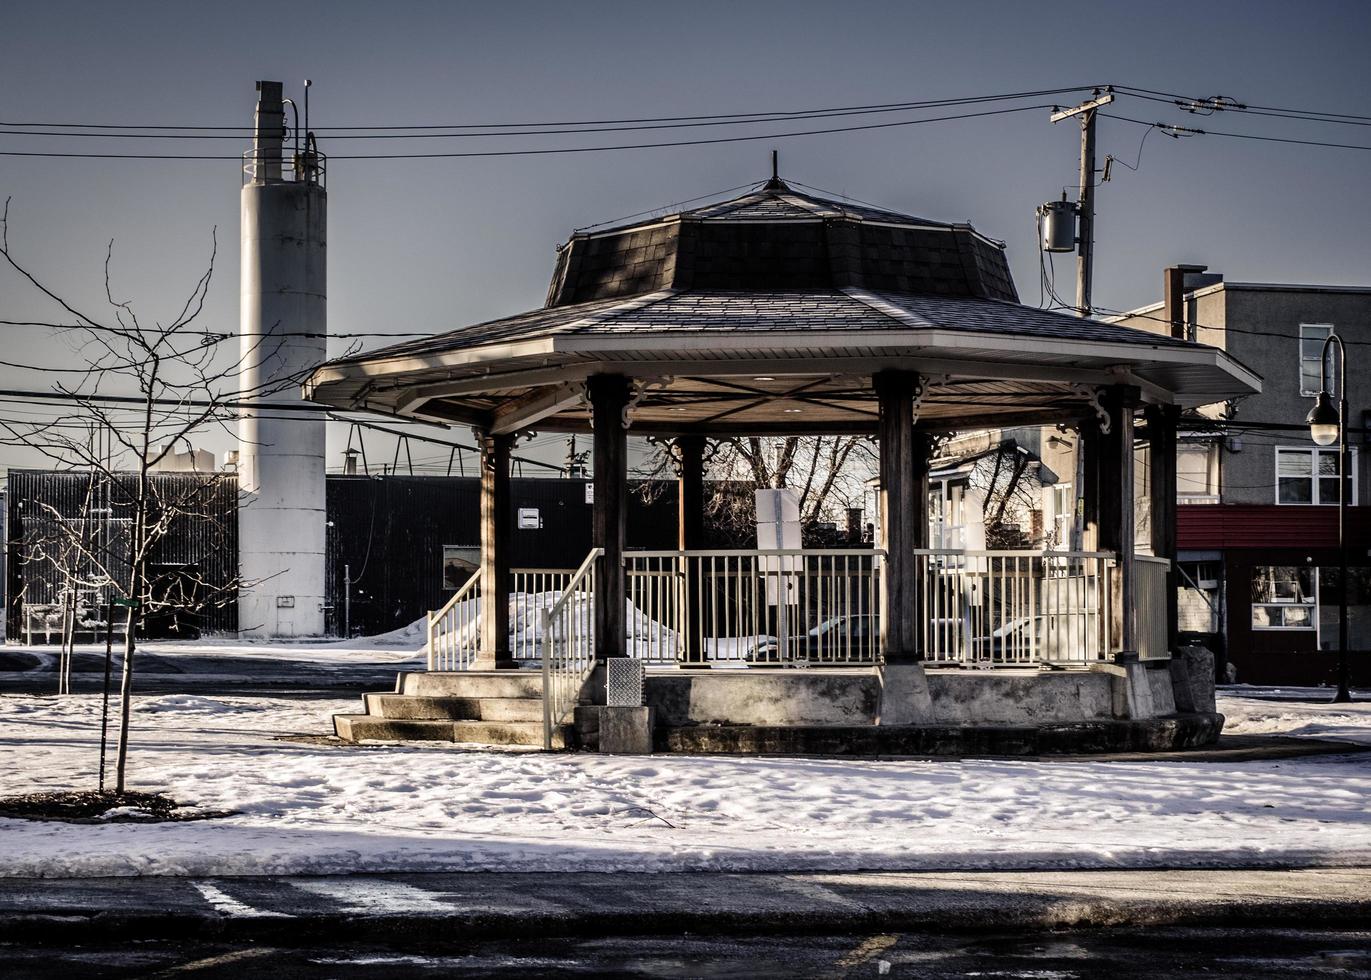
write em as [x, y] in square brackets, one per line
[779, 201]
[731, 312]
[776, 237]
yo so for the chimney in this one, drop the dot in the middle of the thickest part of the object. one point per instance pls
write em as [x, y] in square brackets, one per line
[1174, 297]
[269, 132]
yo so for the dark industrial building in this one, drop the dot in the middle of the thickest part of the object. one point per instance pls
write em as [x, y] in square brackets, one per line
[397, 545]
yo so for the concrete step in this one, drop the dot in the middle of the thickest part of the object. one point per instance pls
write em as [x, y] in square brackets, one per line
[472, 684]
[354, 728]
[416, 707]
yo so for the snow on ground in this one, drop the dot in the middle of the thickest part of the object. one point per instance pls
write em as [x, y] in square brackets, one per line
[1295, 711]
[308, 808]
[403, 646]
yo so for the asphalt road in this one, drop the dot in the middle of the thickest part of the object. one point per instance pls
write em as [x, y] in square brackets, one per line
[33, 671]
[1036, 955]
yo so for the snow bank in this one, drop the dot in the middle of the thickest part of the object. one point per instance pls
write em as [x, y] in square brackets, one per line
[310, 808]
[1257, 711]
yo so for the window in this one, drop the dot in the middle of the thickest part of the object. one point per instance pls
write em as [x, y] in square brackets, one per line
[1197, 472]
[1312, 336]
[1063, 514]
[459, 564]
[1284, 597]
[1310, 476]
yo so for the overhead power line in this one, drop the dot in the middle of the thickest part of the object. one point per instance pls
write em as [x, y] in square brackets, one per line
[719, 118]
[496, 129]
[545, 151]
[1172, 129]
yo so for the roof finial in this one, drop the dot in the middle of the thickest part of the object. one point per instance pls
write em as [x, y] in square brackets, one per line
[775, 183]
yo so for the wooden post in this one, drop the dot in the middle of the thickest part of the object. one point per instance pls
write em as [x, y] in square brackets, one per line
[1091, 452]
[494, 652]
[690, 536]
[609, 395]
[904, 518]
[1116, 528]
[1161, 441]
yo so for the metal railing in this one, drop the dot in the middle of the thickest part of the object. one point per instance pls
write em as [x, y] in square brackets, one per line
[454, 632]
[530, 591]
[1149, 594]
[1014, 608]
[784, 606]
[285, 165]
[566, 642]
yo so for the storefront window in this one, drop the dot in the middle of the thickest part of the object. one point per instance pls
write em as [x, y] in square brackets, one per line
[1284, 597]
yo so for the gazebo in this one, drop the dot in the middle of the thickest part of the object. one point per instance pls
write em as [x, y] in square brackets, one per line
[784, 313]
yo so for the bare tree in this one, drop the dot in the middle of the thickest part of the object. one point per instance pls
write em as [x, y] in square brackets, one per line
[828, 472]
[144, 388]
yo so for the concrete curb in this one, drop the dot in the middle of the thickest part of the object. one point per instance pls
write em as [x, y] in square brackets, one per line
[299, 911]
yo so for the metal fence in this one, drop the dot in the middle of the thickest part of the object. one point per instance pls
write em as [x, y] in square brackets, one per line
[1149, 590]
[1014, 608]
[454, 632]
[820, 606]
[754, 606]
[567, 645]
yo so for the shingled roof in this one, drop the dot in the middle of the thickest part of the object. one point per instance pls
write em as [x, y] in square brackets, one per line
[775, 237]
[770, 312]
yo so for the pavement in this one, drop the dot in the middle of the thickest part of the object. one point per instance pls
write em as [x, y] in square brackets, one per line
[290, 910]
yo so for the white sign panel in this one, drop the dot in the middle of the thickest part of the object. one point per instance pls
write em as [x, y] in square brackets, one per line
[529, 519]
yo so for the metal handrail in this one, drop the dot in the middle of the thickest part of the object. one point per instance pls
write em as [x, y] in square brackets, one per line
[451, 640]
[565, 676]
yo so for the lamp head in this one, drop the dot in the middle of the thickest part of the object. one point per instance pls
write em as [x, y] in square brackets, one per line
[1324, 421]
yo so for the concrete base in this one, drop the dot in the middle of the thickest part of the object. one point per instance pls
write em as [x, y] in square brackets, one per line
[1196, 665]
[625, 731]
[1139, 691]
[904, 697]
[1082, 738]
[854, 696]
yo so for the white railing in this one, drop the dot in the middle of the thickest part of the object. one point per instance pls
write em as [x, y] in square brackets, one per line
[1149, 596]
[797, 606]
[566, 642]
[1008, 608]
[530, 591]
[454, 632]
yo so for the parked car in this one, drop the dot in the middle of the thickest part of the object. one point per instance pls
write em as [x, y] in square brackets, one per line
[838, 638]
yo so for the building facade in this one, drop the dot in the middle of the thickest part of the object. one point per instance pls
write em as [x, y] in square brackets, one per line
[1257, 533]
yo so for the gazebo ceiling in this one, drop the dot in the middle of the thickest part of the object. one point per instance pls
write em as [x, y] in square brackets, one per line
[791, 346]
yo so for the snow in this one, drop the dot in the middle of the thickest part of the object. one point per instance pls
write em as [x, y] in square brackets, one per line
[312, 808]
[1258, 711]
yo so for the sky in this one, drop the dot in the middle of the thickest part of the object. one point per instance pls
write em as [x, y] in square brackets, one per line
[429, 245]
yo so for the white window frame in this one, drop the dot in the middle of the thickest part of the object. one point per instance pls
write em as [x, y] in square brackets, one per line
[1213, 492]
[1307, 334]
[1313, 453]
[1313, 606]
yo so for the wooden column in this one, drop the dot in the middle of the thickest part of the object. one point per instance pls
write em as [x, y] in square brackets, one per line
[1091, 451]
[690, 536]
[904, 512]
[1162, 421]
[495, 546]
[1116, 527]
[609, 394]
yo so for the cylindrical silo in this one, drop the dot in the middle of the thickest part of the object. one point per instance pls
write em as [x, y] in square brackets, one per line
[283, 324]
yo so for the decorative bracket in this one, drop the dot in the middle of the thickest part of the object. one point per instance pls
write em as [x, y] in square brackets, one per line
[920, 388]
[1092, 396]
[637, 391]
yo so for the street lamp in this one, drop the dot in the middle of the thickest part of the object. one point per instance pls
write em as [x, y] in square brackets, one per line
[1328, 423]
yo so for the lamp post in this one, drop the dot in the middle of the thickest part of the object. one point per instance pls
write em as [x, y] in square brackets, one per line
[1327, 424]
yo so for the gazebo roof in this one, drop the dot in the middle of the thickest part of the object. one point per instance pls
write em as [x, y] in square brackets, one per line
[769, 313]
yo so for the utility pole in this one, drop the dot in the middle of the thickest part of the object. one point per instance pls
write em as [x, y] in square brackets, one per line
[1085, 200]
[571, 457]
